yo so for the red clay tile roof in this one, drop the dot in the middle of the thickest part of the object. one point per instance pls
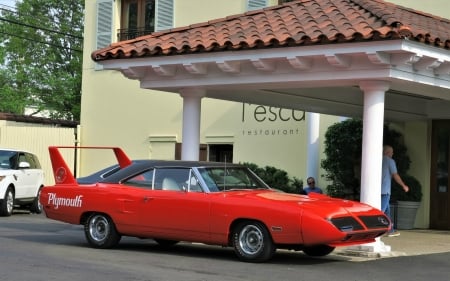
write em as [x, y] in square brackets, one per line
[297, 23]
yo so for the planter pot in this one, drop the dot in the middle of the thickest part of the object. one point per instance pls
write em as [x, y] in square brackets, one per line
[406, 214]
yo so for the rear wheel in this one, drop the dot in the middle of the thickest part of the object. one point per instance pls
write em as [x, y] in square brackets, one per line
[252, 242]
[318, 251]
[36, 207]
[101, 232]
[7, 204]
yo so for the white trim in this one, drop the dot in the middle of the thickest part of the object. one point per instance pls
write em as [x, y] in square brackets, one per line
[219, 139]
[162, 138]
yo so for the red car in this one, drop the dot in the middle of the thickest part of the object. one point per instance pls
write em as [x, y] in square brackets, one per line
[213, 203]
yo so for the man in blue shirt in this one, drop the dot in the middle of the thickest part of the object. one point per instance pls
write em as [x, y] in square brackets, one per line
[389, 172]
[312, 186]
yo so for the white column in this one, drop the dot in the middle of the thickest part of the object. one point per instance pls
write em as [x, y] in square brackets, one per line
[192, 99]
[312, 151]
[372, 150]
[372, 144]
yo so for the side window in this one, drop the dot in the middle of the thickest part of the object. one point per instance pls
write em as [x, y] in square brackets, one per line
[23, 159]
[194, 184]
[172, 179]
[144, 179]
[34, 163]
[141, 17]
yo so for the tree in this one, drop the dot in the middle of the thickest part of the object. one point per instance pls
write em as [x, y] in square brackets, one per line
[41, 57]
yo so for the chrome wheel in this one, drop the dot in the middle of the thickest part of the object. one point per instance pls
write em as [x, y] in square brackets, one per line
[99, 228]
[9, 198]
[101, 232]
[251, 240]
[7, 203]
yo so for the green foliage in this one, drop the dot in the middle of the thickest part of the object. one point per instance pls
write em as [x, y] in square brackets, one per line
[414, 193]
[42, 57]
[276, 178]
[343, 149]
[343, 146]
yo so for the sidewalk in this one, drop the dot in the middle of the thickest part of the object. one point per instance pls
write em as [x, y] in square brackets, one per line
[419, 242]
[409, 243]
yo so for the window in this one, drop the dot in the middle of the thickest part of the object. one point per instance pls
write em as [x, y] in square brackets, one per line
[172, 178]
[138, 18]
[220, 153]
[141, 17]
[144, 179]
[34, 162]
[230, 178]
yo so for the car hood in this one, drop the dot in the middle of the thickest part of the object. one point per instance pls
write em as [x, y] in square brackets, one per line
[7, 172]
[317, 203]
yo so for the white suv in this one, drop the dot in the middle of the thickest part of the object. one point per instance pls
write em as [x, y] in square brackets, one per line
[21, 180]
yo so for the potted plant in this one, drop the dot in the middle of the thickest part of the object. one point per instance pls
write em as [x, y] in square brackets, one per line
[406, 204]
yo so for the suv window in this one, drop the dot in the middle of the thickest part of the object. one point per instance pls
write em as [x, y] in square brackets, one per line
[34, 162]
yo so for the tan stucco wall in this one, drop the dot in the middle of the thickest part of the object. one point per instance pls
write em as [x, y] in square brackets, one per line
[418, 143]
[436, 7]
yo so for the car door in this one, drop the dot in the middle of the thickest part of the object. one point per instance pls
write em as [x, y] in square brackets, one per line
[35, 173]
[176, 208]
[23, 177]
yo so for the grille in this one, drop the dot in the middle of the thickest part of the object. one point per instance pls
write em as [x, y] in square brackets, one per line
[346, 224]
[375, 221]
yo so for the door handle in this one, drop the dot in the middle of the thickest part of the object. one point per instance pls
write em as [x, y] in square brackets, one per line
[147, 198]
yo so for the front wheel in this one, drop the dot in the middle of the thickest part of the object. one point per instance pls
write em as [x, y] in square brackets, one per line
[7, 204]
[318, 251]
[252, 242]
[101, 232]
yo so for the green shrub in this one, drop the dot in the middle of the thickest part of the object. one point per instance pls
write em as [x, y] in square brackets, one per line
[414, 193]
[276, 178]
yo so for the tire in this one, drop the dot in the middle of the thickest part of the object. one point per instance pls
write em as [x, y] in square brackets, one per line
[36, 207]
[318, 251]
[166, 243]
[252, 242]
[101, 232]
[7, 204]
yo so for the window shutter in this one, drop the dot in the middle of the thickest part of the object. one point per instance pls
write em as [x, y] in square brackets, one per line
[256, 4]
[164, 15]
[104, 23]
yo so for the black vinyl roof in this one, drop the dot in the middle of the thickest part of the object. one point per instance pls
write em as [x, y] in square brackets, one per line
[139, 166]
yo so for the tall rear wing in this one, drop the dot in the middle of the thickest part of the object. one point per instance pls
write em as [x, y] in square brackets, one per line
[62, 172]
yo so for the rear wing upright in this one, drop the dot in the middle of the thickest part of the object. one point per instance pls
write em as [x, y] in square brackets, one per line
[63, 174]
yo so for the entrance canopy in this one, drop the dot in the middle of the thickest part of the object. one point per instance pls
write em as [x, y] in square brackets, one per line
[306, 55]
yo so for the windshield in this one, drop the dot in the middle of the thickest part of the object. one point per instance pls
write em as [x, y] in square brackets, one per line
[8, 159]
[233, 178]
